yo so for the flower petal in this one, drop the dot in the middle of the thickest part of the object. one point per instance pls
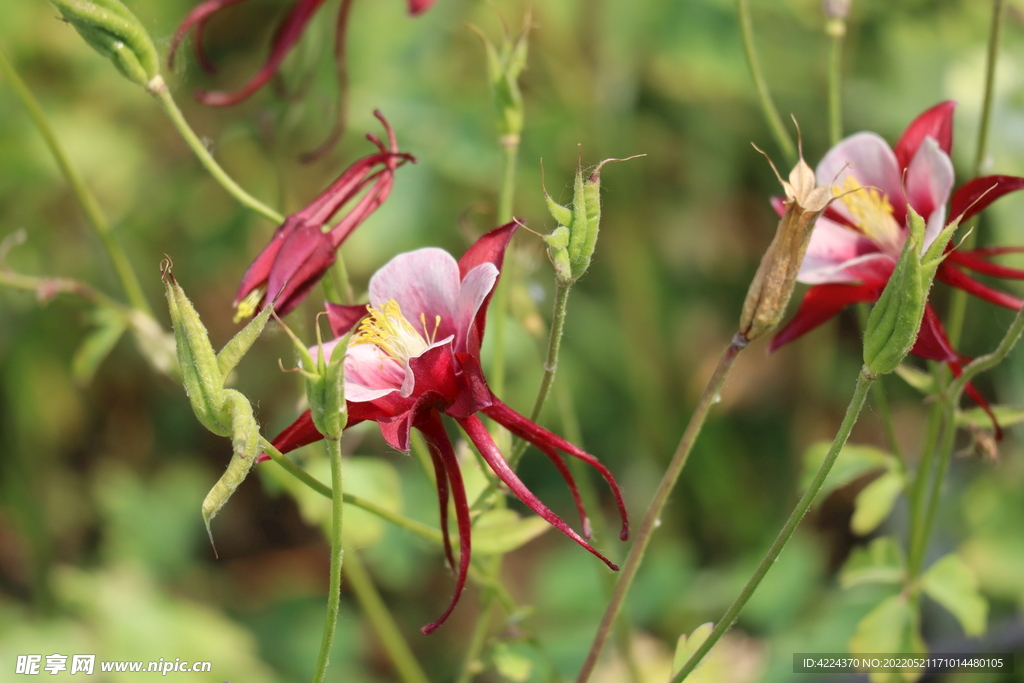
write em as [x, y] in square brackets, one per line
[490, 248]
[929, 181]
[831, 246]
[820, 303]
[868, 159]
[301, 261]
[476, 288]
[935, 123]
[975, 195]
[370, 374]
[424, 282]
[972, 259]
[956, 278]
[343, 318]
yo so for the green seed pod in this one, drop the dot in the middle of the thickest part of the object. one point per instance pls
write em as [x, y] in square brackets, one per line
[113, 31]
[504, 66]
[895, 319]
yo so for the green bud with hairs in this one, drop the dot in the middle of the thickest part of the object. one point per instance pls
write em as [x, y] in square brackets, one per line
[111, 29]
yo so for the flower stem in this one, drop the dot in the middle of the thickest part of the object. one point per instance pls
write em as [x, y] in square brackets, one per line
[93, 213]
[950, 404]
[550, 363]
[653, 515]
[771, 114]
[410, 525]
[510, 149]
[409, 670]
[337, 557]
[836, 31]
[160, 91]
[471, 663]
[860, 394]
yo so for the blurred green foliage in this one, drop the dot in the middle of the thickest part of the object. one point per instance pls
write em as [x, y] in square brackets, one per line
[102, 547]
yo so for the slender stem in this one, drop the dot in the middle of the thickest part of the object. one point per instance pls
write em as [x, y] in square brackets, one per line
[958, 299]
[340, 271]
[337, 557]
[510, 149]
[550, 363]
[91, 208]
[836, 30]
[409, 670]
[471, 665]
[990, 80]
[163, 96]
[771, 114]
[653, 515]
[926, 466]
[860, 394]
[951, 402]
[411, 525]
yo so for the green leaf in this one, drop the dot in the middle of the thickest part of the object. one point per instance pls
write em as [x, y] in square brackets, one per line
[873, 504]
[892, 627]
[854, 460]
[880, 562]
[976, 417]
[510, 664]
[686, 646]
[951, 583]
[98, 344]
[503, 530]
[918, 379]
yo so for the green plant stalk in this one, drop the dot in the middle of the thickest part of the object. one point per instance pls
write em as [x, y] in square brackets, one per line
[470, 663]
[771, 114]
[344, 284]
[653, 515]
[860, 394]
[163, 96]
[410, 525]
[836, 30]
[958, 300]
[409, 670]
[550, 363]
[950, 403]
[337, 558]
[926, 466]
[91, 208]
[510, 150]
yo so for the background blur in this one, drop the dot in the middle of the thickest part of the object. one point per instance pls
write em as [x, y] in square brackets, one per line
[102, 548]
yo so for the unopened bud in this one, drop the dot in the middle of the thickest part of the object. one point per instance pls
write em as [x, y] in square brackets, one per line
[775, 278]
[571, 245]
[895, 319]
[325, 382]
[836, 9]
[113, 31]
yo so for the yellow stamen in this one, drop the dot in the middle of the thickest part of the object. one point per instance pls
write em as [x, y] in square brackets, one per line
[871, 211]
[247, 306]
[388, 330]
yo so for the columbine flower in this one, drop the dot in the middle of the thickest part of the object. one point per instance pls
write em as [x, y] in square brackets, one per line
[854, 247]
[285, 37]
[415, 355]
[300, 252]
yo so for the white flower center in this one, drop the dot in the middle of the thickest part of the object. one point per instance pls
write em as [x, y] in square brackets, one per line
[392, 333]
[871, 212]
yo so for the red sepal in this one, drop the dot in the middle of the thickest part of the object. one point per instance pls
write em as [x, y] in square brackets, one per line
[936, 123]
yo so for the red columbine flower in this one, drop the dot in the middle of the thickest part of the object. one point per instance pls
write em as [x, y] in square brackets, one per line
[416, 356]
[856, 242]
[300, 252]
[285, 36]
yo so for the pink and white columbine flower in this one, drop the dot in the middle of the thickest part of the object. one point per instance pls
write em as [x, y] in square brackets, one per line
[415, 355]
[855, 244]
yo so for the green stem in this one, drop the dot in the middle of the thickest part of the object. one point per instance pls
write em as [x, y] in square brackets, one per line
[471, 664]
[409, 670]
[771, 114]
[951, 402]
[410, 525]
[836, 31]
[550, 363]
[93, 213]
[337, 557]
[163, 96]
[860, 394]
[652, 517]
[926, 466]
[501, 297]
[344, 284]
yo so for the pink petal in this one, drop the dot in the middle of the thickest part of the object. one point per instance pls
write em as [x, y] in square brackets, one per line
[424, 282]
[935, 123]
[974, 196]
[476, 287]
[831, 246]
[343, 318]
[929, 181]
[370, 374]
[490, 248]
[868, 159]
[418, 6]
[303, 258]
